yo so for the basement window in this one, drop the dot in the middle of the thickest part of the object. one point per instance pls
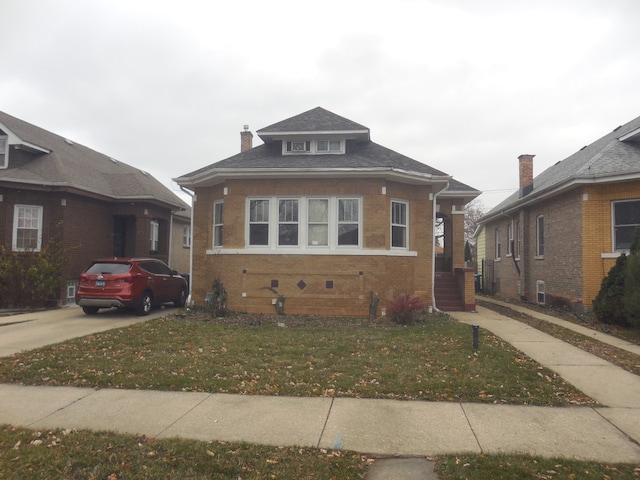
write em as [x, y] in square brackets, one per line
[540, 294]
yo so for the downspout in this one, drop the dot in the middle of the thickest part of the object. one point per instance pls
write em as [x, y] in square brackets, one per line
[193, 201]
[433, 249]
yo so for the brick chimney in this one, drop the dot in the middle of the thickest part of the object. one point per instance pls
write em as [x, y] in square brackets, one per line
[246, 139]
[526, 174]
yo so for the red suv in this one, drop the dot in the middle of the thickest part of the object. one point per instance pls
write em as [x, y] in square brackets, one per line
[130, 282]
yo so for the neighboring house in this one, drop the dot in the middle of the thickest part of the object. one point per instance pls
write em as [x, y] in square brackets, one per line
[323, 216]
[554, 240]
[99, 206]
[181, 241]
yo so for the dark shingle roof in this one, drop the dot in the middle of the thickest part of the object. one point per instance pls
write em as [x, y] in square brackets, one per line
[606, 159]
[315, 120]
[74, 166]
[361, 155]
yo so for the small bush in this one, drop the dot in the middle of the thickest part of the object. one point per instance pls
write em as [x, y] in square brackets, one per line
[405, 309]
[609, 303]
[216, 301]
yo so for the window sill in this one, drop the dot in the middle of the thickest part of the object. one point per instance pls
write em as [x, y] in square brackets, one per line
[614, 254]
[312, 251]
[539, 257]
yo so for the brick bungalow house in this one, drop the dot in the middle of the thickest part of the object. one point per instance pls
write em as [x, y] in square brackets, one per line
[104, 207]
[554, 240]
[323, 216]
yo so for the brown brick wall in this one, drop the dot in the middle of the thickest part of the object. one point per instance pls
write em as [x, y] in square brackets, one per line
[352, 277]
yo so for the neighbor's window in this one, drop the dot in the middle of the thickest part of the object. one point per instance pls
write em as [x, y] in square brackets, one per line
[348, 221]
[27, 228]
[318, 223]
[186, 236]
[540, 236]
[4, 151]
[155, 236]
[218, 224]
[540, 292]
[399, 224]
[298, 146]
[518, 241]
[288, 222]
[498, 245]
[259, 222]
[626, 218]
[510, 239]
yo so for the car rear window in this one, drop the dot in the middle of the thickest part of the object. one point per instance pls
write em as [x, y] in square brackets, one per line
[109, 268]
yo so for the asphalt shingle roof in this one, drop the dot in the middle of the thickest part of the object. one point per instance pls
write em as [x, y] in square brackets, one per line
[71, 165]
[359, 155]
[607, 157]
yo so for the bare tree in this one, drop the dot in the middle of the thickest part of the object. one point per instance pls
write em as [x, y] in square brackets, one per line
[475, 210]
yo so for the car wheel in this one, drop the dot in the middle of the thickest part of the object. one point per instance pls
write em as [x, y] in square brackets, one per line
[144, 307]
[90, 310]
[182, 298]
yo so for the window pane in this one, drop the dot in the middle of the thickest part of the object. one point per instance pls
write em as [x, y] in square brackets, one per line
[348, 210]
[218, 213]
[218, 238]
[288, 210]
[398, 236]
[259, 234]
[540, 236]
[318, 235]
[624, 236]
[322, 145]
[288, 234]
[334, 145]
[627, 213]
[348, 234]
[318, 210]
[259, 211]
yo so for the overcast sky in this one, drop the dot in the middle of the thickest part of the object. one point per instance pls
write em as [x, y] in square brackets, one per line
[462, 85]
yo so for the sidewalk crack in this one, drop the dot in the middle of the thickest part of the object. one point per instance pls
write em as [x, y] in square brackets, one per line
[326, 421]
[471, 427]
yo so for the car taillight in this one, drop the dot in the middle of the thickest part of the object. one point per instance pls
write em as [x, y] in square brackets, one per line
[128, 279]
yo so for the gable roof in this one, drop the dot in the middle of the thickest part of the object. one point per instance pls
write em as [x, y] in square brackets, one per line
[614, 157]
[362, 157]
[63, 164]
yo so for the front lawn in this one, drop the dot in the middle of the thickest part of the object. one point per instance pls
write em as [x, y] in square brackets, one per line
[432, 361]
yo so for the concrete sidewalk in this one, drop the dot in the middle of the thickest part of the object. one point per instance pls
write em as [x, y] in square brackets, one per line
[378, 427]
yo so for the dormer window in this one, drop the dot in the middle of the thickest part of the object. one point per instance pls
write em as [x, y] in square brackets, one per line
[296, 147]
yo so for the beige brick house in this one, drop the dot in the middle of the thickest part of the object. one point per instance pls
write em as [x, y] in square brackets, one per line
[321, 215]
[554, 240]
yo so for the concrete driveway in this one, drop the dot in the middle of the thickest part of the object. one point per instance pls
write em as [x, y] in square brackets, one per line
[26, 331]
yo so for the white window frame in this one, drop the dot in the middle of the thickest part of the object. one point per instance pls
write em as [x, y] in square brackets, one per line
[17, 209]
[318, 222]
[186, 236]
[218, 223]
[396, 224]
[498, 244]
[333, 224]
[518, 241]
[4, 151]
[334, 146]
[291, 218]
[154, 236]
[615, 226]
[510, 245]
[540, 236]
[270, 216]
[540, 290]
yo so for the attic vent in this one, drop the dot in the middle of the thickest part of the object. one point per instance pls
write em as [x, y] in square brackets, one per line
[583, 148]
[618, 127]
[113, 160]
[68, 141]
[144, 173]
